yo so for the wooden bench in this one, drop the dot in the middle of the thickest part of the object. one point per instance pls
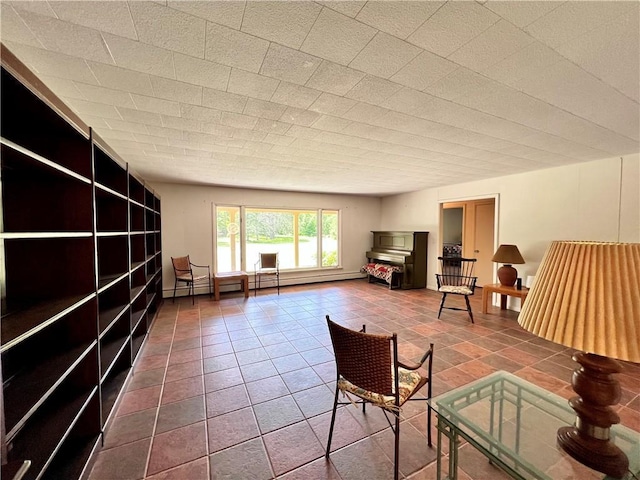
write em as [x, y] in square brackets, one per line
[231, 277]
[390, 274]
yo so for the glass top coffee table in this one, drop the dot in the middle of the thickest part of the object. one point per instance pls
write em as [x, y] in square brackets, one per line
[513, 423]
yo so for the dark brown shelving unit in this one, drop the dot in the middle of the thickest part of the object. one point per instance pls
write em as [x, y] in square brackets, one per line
[80, 276]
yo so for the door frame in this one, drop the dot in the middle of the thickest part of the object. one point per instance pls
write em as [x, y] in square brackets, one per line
[496, 219]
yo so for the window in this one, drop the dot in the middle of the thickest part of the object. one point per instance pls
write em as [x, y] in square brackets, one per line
[302, 238]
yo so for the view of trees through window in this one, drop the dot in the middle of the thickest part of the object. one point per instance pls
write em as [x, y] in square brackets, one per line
[293, 234]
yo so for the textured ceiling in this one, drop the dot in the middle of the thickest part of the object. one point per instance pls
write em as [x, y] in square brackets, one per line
[340, 96]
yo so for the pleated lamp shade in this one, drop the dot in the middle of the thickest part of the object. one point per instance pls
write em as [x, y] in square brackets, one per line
[587, 296]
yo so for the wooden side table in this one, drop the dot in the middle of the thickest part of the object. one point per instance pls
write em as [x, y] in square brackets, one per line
[504, 292]
[231, 277]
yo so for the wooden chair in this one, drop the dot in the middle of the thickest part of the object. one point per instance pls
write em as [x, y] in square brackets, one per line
[267, 264]
[456, 279]
[368, 368]
[183, 270]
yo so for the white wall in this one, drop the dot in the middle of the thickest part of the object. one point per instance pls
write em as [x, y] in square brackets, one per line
[597, 200]
[187, 225]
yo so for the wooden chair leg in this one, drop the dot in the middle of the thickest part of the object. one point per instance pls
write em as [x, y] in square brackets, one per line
[444, 295]
[469, 308]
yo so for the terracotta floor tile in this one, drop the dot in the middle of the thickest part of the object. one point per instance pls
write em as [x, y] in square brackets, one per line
[181, 389]
[179, 414]
[266, 389]
[226, 400]
[248, 386]
[277, 413]
[140, 399]
[196, 470]
[231, 429]
[130, 428]
[292, 446]
[177, 446]
[245, 461]
[126, 462]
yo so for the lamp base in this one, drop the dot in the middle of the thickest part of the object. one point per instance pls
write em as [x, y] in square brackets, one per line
[588, 440]
[507, 275]
[601, 455]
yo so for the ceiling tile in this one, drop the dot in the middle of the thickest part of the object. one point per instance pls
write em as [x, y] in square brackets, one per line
[41, 8]
[252, 84]
[227, 13]
[107, 133]
[287, 64]
[165, 132]
[346, 7]
[13, 27]
[236, 49]
[332, 104]
[521, 13]
[93, 108]
[121, 78]
[181, 123]
[299, 131]
[458, 83]
[399, 19]
[385, 55]
[532, 59]
[610, 52]
[168, 28]
[331, 124]
[263, 109]
[287, 23]
[333, 78]
[156, 105]
[219, 100]
[140, 57]
[294, 95]
[52, 63]
[573, 19]
[238, 120]
[127, 126]
[201, 72]
[271, 126]
[252, 135]
[336, 37]
[176, 91]
[299, 116]
[112, 17]
[373, 90]
[276, 139]
[451, 27]
[566, 85]
[62, 87]
[362, 112]
[108, 96]
[424, 70]
[202, 114]
[67, 37]
[217, 129]
[139, 116]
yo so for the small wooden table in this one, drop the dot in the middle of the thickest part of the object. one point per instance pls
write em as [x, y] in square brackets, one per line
[504, 292]
[231, 277]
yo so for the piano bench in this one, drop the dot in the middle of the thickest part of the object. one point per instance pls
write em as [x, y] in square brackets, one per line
[390, 274]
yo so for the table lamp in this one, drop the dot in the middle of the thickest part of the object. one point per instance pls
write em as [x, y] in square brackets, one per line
[586, 297]
[509, 255]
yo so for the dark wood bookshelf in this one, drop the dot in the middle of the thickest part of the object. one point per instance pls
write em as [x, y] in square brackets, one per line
[80, 272]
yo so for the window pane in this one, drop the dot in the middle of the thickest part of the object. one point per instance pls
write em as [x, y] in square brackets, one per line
[307, 239]
[330, 238]
[270, 231]
[228, 239]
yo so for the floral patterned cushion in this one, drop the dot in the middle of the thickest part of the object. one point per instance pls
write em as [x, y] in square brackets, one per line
[381, 270]
[408, 381]
[459, 289]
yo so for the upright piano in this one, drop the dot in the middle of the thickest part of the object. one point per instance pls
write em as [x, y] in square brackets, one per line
[404, 249]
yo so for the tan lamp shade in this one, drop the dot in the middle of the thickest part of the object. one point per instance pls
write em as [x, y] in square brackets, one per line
[587, 296]
[508, 254]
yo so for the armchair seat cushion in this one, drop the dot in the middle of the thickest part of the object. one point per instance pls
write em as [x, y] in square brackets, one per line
[188, 278]
[458, 289]
[408, 381]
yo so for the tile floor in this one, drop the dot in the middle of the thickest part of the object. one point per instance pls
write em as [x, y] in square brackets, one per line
[242, 389]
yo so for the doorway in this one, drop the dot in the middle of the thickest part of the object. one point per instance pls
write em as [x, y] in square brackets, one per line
[468, 230]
